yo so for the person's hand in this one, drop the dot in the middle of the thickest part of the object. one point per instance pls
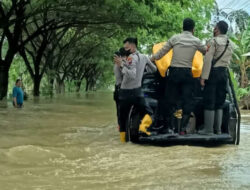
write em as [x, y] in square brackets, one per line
[202, 81]
[118, 60]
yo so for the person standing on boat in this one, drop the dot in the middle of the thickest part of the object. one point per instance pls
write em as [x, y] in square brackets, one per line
[18, 94]
[118, 80]
[180, 82]
[130, 92]
[214, 78]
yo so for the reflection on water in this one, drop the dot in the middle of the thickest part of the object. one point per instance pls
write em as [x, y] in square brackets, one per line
[72, 143]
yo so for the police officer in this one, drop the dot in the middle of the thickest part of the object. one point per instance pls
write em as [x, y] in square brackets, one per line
[130, 92]
[214, 78]
[180, 84]
[118, 80]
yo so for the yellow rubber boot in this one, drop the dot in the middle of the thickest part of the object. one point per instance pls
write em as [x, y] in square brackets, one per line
[123, 137]
[178, 114]
[145, 124]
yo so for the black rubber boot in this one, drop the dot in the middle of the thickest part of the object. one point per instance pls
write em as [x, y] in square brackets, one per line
[155, 127]
[208, 123]
[218, 121]
[191, 129]
[166, 127]
[184, 123]
[176, 124]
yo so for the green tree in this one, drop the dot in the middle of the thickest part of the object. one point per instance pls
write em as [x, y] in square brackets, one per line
[36, 27]
[242, 42]
[14, 15]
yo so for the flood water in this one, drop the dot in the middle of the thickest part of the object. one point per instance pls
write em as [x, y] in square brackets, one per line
[72, 142]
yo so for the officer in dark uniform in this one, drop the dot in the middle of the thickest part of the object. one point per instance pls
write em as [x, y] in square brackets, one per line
[180, 83]
[214, 78]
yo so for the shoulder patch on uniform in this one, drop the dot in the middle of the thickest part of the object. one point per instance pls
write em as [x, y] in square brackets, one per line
[129, 60]
[208, 46]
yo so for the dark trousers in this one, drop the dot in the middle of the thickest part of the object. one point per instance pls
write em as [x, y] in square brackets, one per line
[117, 102]
[129, 98]
[179, 91]
[215, 89]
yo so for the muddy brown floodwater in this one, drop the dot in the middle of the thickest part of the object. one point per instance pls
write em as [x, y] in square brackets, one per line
[72, 142]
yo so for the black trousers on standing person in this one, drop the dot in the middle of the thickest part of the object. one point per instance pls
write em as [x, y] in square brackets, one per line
[179, 91]
[215, 89]
[117, 102]
[214, 97]
[129, 98]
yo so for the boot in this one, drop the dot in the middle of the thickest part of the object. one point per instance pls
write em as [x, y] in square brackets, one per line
[218, 121]
[123, 137]
[176, 120]
[172, 124]
[184, 123]
[145, 124]
[192, 124]
[167, 127]
[208, 123]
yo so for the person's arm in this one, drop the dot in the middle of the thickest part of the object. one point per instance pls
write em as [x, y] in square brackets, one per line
[151, 68]
[14, 97]
[201, 48]
[15, 102]
[207, 63]
[117, 60]
[163, 51]
[129, 69]
[118, 74]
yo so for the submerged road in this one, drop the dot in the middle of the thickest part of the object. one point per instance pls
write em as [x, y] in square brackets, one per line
[72, 142]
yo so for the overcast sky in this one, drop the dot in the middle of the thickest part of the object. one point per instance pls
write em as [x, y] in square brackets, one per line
[229, 5]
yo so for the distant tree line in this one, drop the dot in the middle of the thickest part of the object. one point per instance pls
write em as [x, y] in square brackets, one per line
[59, 41]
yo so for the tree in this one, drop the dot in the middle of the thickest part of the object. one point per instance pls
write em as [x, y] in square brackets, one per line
[167, 17]
[242, 42]
[40, 50]
[36, 28]
[238, 18]
[14, 15]
[11, 23]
